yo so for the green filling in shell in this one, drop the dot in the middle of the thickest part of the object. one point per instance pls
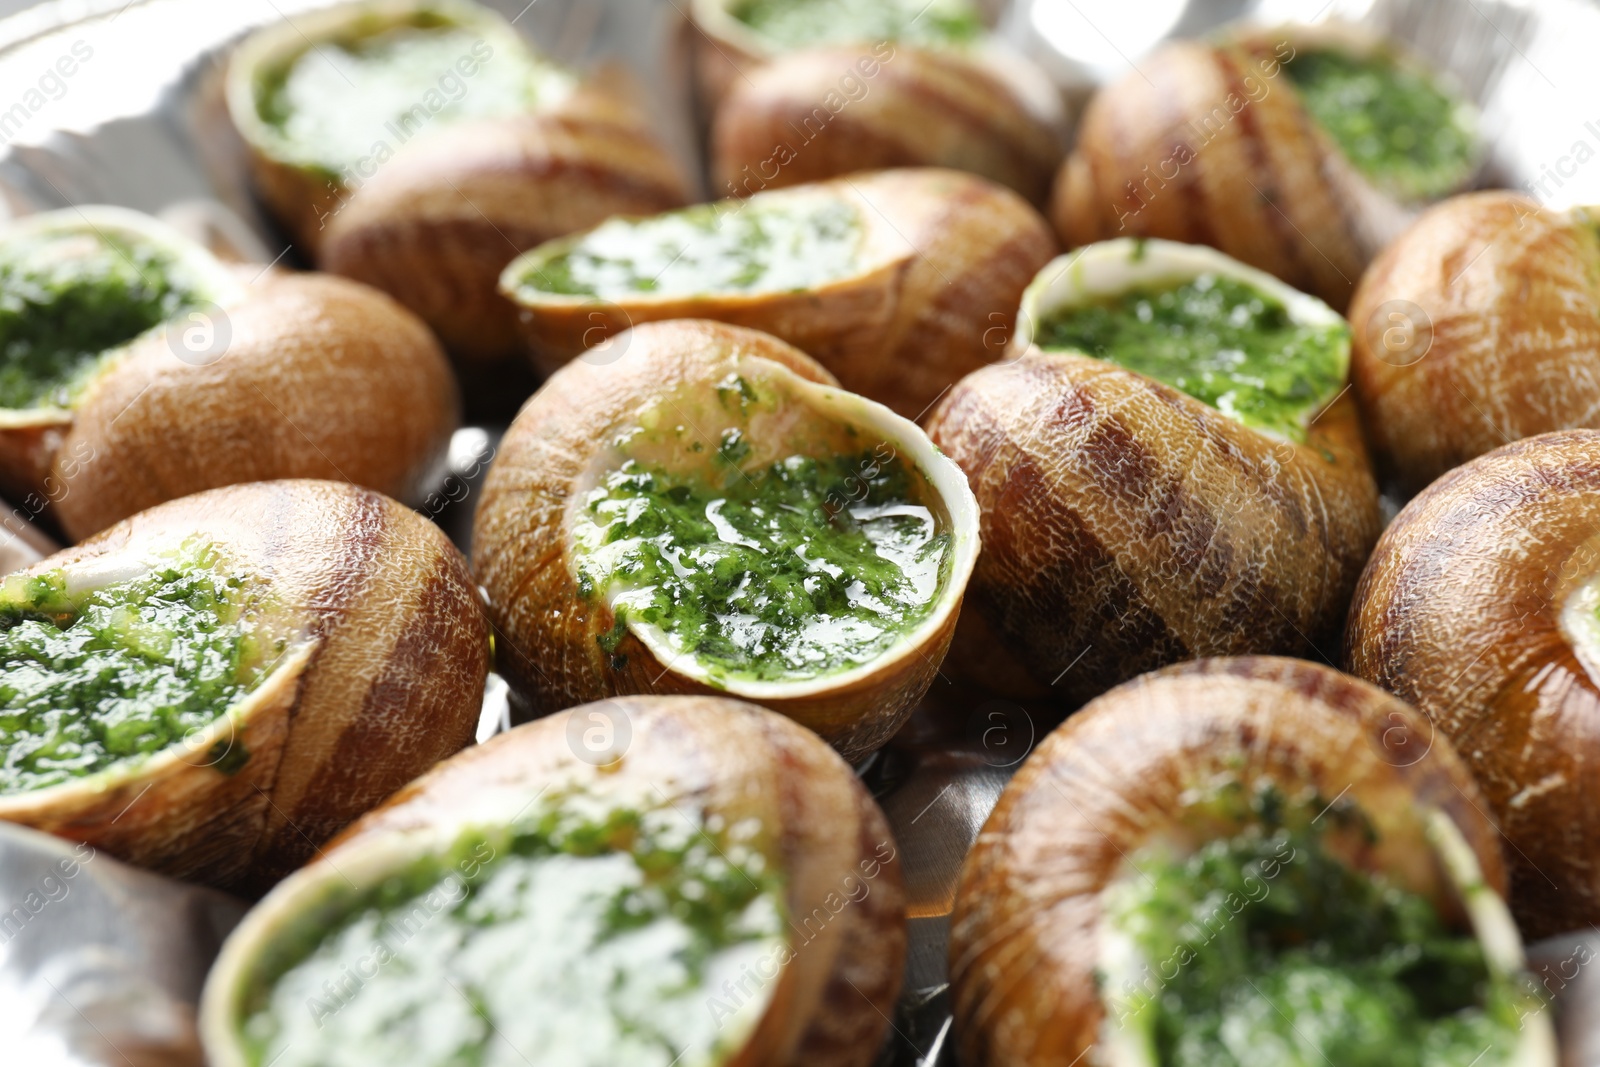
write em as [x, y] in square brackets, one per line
[67, 297]
[588, 936]
[1265, 948]
[806, 23]
[755, 246]
[1221, 341]
[347, 105]
[93, 678]
[1394, 123]
[801, 568]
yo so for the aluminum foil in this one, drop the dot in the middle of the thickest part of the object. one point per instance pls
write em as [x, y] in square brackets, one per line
[118, 101]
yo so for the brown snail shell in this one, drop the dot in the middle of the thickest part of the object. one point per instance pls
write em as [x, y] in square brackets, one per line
[1127, 525]
[1210, 144]
[1476, 609]
[270, 391]
[942, 252]
[1028, 928]
[820, 113]
[434, 226]
[1478, 326]
[831, 1002]
[383, 676]
[557, 449]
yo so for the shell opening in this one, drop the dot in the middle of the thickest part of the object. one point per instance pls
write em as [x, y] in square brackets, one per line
[781, 241]
[88, 282]
[342, 90]
[1205, 944]
[771, 536]
[640, 916]
[1228, 335]
[120, 661]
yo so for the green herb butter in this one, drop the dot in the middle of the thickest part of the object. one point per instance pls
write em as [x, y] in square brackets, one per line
[588, 936]
[345, 103]
[69, 296]
[1394, 123]
[1265, 948]
[92, 678]
[755, 246]
[1219, 340]
[800, 568]
[805, 23]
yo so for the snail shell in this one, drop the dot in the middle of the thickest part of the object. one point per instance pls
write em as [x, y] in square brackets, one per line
[1478, 608]
[831, 1002]
[1478, 326]
[941, 252]
[1029, 927]
[1210, 144]
[557, 449]
[268, 394]
[1127, 525]
[383, 676]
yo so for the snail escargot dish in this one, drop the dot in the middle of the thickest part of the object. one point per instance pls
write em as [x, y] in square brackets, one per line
[812, 89]
[418, 145]
[152, 373]
[79, 286]
[1479, 607]
[1480, 325]
[217, 685]
[1301, 151]
[696, 507]
[1168, 468]
[889, 280]
[713, 888]
[1255, 860]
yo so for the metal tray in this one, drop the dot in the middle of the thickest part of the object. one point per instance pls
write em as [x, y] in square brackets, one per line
[139, 122]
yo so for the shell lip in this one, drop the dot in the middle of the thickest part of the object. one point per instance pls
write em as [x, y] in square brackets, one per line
[284, 41]
[1107, 269]
[949, 485]
[216, 284]
[1492, 927]
[717, 22]
[874, 255]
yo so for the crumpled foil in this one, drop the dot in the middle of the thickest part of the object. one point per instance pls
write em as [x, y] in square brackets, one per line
[107, 973]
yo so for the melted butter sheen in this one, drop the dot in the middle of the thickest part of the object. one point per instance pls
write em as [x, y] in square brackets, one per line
[587, 939]
[89, 681]
[66, 298]
[1396, 125]
[747, 246]
[1221, 341]
[1279, 954]
[801, 569]
[346, 102]
[803, 23]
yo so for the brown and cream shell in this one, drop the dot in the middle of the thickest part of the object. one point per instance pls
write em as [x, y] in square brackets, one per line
[382, 675]
[831, 1001]
[563, 442]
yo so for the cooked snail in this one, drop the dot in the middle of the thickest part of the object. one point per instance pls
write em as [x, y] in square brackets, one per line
[214, 687]
[1478, 326]
[811, 89]
[1255, 860]
[695, 507]
[1166, 468]
[1479, 607]
[137, 369]
[709, 885]
[420, 145]
[898, 282]
[1301, 151]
